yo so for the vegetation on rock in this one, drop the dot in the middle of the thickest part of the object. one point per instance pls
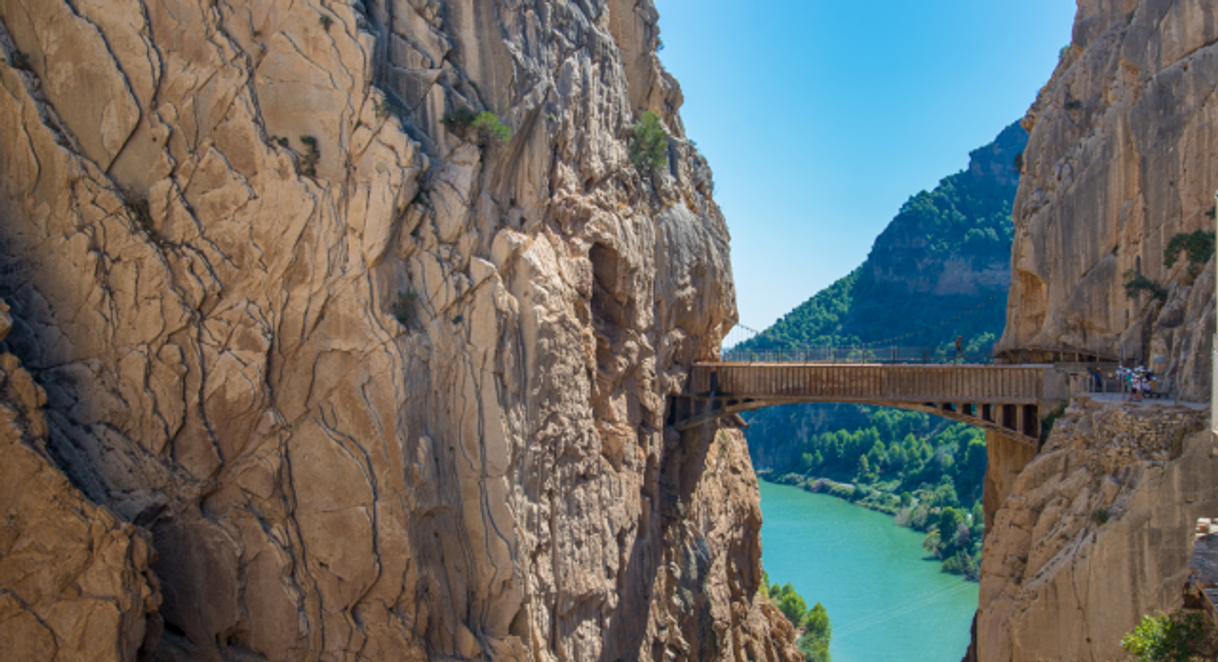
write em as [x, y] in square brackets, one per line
[1137, 283]
[460, 117]
[1177, 637]
[486, 123]
[649, 144]
[308, 163]
[814, 624]
[386, 107]
[489, 126]
[1198, 246]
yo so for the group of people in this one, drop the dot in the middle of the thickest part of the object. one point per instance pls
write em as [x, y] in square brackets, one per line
[1138, 381]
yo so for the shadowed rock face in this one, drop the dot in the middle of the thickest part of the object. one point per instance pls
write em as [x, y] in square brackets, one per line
[74, 580]
[1118, 162]
[380, 387]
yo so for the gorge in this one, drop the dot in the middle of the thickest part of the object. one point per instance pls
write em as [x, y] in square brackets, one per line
[349, 331]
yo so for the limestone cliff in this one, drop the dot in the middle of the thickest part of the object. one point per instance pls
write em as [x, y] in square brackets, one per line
[1096, 531]
[380, 386]
[1119, 161]
[74, 580]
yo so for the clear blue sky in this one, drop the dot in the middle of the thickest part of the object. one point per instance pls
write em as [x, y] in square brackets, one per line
[821, 118]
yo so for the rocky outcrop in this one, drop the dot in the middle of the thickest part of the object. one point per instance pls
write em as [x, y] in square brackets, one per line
[75, 582]
[1096, 532]
[381, 386]
[1118, 163]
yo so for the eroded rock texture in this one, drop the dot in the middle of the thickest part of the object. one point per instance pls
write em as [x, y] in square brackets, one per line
[380, 386]
[75, 582]
[1096, 532]
[1120, 160]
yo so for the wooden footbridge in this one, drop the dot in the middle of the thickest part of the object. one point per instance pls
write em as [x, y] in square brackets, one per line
[1010, 399]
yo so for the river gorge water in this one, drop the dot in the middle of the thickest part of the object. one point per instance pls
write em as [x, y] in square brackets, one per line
[886, 602]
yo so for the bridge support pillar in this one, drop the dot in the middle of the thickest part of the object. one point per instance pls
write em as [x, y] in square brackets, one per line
[1006, 458]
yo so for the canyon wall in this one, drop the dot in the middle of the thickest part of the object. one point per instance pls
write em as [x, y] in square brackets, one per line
[376, 384]
[1119, 161]
[1096, 532]
[75, 582]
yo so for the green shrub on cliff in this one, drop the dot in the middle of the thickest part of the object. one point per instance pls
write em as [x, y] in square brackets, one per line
[648, 146]
[488, 124]
[1136, 284]
[1198, 246]
[789, 602]
[1176, 637]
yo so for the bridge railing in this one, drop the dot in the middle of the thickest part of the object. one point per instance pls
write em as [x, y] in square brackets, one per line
[856, 354]
[874, 383]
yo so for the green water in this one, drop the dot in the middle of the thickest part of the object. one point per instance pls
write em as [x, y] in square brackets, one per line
[886, 603]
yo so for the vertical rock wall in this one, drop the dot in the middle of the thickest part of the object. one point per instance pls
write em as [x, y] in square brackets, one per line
[1120, 160]
[380, 386]
[1096, 532]
[1096, 529]
[74, 580]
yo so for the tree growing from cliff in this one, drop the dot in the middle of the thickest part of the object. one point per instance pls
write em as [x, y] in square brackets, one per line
[648, 146]
[789, 602]
[1136, 284]
[1198, 246]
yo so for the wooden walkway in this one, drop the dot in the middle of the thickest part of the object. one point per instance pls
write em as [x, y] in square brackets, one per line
[1005, 398]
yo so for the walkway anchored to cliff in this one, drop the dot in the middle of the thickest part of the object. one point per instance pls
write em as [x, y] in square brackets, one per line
[1005, 398]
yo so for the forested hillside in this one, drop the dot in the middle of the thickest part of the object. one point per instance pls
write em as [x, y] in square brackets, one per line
[940, 269]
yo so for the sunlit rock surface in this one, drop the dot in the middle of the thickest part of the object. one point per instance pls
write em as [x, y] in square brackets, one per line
[1096, 532]
[1120, 160]
[380, 386]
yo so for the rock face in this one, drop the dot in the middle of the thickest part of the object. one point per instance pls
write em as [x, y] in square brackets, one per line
[1096, 532]
[381, 386]
[1119, 161]
[75, 582]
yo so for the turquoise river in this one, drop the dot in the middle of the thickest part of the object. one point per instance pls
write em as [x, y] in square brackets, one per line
[886, 602]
